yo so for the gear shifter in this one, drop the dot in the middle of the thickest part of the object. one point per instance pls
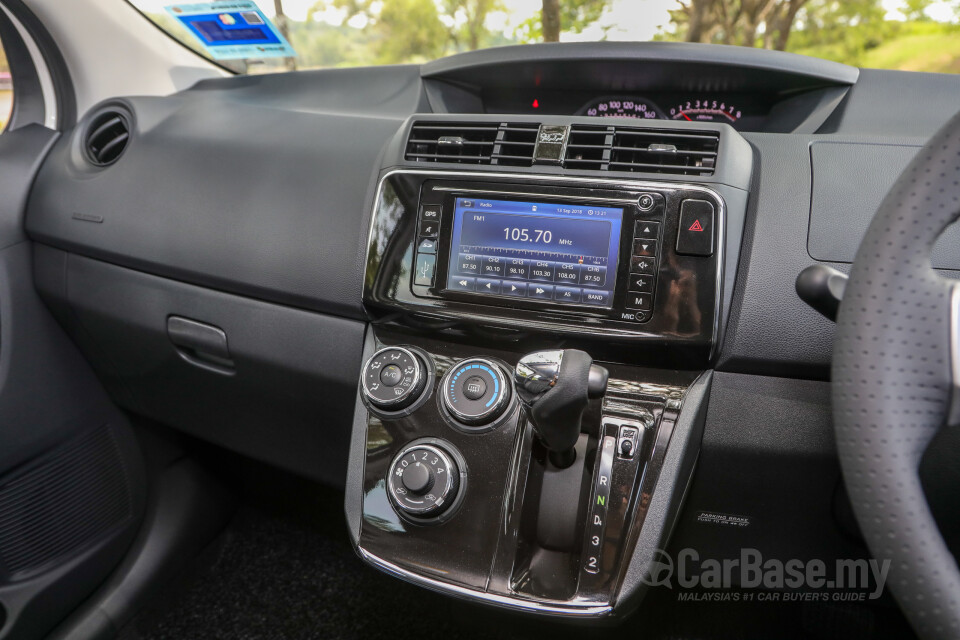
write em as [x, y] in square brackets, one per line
[555, 387]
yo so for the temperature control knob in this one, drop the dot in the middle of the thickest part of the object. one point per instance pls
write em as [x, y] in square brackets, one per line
[424, 480]
[393, 379]
[475, 392]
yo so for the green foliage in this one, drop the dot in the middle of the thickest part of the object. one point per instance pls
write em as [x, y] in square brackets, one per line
[912, 46]
[575, 16]
[399, 30]
[914, 10]
[468, 22]
[410, 31]
[843, 30]
[856, 32]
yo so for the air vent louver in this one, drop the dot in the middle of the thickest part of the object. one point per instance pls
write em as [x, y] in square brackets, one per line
[107, 137]
[492, 143]
[615, 148]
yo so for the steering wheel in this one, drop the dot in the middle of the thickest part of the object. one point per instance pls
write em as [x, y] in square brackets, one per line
[896, 371]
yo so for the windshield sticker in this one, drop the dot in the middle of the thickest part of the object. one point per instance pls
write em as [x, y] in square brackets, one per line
[232, 30]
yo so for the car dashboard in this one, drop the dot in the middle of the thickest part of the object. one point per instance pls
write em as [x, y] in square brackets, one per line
[367, 259]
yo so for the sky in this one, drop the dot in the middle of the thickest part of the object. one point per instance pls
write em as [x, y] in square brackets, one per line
[644, 17]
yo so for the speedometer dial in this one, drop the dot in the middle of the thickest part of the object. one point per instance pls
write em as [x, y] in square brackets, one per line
[705, 111]
[621, 107]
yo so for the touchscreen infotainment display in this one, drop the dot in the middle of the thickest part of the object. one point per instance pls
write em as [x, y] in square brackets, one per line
[561, 253]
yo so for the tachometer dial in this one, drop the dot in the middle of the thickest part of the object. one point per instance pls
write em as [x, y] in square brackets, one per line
[620, 107]
[705, 111]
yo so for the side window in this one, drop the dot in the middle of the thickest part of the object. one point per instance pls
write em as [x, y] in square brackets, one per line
[6, 90]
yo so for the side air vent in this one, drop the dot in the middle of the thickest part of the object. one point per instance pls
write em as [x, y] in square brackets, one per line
[614, 148]
[107, 137]
[473, 143]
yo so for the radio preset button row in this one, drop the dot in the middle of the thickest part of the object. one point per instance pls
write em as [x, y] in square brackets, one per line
[559, 273]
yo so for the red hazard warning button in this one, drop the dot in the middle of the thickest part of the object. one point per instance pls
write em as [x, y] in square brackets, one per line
[695, 237]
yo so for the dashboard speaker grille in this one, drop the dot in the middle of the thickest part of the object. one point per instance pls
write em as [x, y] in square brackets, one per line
[491, 143]
[63, 502]
[633, 149]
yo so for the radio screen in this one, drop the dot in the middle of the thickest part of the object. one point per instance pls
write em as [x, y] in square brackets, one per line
[538, 251]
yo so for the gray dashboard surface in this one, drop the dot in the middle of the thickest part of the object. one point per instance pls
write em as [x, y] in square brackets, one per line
[257, 185]
[262, 186]
[850, 180]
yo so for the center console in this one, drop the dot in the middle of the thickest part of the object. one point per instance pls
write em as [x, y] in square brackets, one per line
[631, 259]
[536, 372]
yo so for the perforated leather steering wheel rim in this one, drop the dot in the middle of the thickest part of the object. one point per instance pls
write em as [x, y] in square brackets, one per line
[893, 383]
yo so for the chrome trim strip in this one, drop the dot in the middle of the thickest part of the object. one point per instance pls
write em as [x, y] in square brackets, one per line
[642, 185]
[506, 602]
[953, 415]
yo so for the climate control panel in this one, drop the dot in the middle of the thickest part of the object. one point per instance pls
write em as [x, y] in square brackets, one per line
[426, 479]
[475, 393]
[395, 379]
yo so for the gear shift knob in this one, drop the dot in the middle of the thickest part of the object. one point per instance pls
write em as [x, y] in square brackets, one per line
[555, 387]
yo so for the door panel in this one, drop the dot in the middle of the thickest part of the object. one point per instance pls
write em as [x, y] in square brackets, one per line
[72, 487]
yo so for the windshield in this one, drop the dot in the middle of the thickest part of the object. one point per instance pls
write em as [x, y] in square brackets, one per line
[258, 36]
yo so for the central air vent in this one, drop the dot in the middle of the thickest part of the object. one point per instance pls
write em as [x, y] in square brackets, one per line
[107, 137]
[615, 148]
[492, 143]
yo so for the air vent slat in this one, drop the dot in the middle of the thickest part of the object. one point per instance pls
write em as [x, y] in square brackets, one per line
[103, 128]
[631, 149]
[452, 127]
[107, 137]
[446, 156]
[464, 143]
[112, 148]
[473, 143]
